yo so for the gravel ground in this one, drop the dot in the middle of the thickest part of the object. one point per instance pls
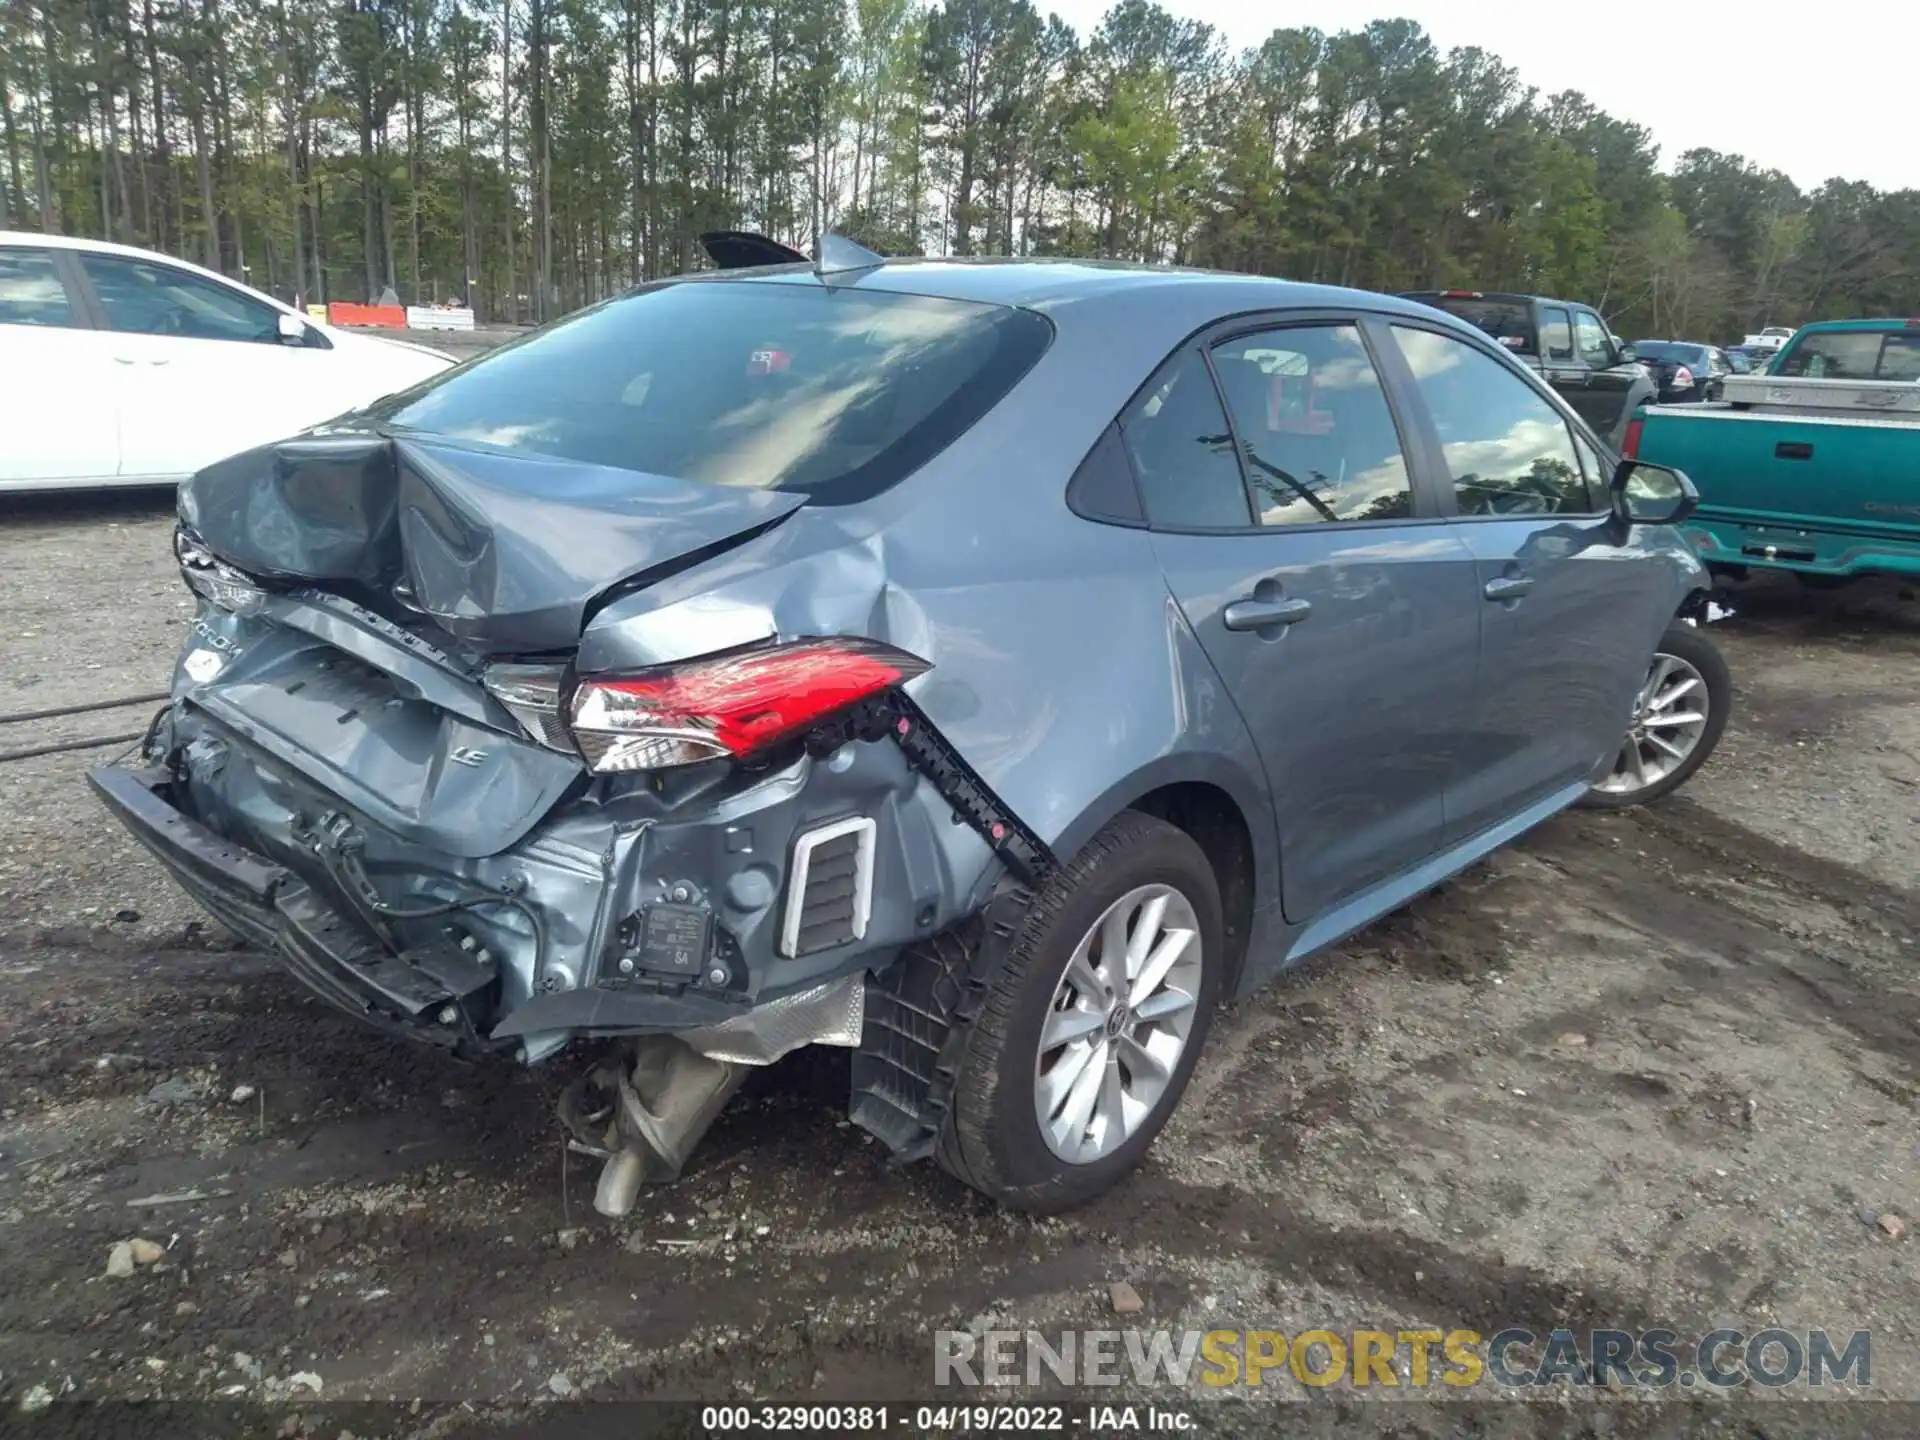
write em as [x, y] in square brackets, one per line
[1654, 1068]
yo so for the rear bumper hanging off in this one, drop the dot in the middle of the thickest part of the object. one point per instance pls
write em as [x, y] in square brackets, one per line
[436, 993]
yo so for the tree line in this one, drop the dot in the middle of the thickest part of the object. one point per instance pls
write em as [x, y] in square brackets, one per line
[531, 156]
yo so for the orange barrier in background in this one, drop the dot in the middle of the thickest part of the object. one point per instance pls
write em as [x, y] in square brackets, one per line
[391, 317]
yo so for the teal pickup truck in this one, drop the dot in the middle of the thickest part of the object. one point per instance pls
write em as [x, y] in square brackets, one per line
[1813, 467]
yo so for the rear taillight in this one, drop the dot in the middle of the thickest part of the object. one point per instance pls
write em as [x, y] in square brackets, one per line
[1630, 446]
[729, 705]
[1682, 378]
[531, 694]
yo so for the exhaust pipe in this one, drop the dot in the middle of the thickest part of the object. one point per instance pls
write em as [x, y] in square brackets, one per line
[668, 1096]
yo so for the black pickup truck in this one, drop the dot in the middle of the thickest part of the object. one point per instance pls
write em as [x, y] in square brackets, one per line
[1569, 344]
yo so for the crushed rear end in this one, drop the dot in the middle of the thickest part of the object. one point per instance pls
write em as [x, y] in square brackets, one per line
[383, 763]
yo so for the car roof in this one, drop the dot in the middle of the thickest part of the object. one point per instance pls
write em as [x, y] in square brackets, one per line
[1055, 284]
[1513, 295]
[1895, 322]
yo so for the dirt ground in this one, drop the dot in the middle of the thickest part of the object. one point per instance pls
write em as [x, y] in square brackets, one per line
[1654, 1068]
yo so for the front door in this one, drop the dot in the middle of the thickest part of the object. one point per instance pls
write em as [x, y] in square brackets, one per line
[1610, 380]
[1560, 367]
[1564, 613]
[1340, 617]
[203, 370]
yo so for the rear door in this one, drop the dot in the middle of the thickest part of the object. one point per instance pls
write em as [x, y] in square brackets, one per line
[203, 370]
[57, 387]
[1339, 612]
[1564, 613]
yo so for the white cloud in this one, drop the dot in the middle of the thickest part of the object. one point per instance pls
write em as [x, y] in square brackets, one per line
[1813, 92]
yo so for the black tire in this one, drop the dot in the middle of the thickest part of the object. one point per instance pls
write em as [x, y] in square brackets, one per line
[1688, 643]
[991, 1139]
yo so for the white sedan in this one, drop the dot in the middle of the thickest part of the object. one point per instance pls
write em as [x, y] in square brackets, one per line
[122, 367]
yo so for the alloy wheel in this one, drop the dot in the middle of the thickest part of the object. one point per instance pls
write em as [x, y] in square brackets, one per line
[1118, 1024]
[1669, 716]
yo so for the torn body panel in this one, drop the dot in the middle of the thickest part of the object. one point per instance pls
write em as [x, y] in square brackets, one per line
[637, 907]
[501, 552]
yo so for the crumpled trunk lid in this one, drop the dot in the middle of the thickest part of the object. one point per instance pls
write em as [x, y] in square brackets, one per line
[504, 552]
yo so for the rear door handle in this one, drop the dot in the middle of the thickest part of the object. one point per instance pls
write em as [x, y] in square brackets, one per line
[1508, 587]
[1255, 614]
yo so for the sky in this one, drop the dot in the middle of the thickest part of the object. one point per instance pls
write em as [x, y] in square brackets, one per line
[1680, 69]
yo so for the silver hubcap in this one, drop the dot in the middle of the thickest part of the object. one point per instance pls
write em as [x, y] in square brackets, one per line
[1669, 717]
[1118, 1024]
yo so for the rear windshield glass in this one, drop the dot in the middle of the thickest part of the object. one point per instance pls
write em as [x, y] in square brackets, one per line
[1855, 355]
[834, 393]
[1508, 321]
[1668, 350]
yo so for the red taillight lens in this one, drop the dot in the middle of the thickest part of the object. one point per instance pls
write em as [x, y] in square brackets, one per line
[729, 704]
[1682, 378]
[1630, 446]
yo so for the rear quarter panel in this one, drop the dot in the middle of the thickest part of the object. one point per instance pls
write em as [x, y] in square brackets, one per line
[1063, 671]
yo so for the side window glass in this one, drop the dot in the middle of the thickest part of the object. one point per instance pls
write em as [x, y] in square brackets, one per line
[1182, 451]
[1599, 473]
[143, 298]
[31, 292]
[1556, 334]
[1319, 441]
[1900, 357]
[1509, 452]
[1592, 340]
[1835, 355]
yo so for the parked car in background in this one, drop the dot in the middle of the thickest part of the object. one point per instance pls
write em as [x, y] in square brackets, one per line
[1769, 340]
[1684, 370]
[1568, 344]
[1810, 468]
[709, 675]
[120, 367]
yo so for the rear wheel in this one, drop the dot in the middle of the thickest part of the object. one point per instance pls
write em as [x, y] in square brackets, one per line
[1093, 1023]
[1678, 716]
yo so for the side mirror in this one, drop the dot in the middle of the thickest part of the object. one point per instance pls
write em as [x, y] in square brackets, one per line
[293, 330]
[1626, 353]
[1647, 494]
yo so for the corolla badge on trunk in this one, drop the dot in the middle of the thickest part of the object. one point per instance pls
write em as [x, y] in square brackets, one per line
[468, 756]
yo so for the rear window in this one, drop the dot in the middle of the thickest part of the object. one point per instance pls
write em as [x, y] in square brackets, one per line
[1508, 321]
[1855, 355]
[834, 393]
[1668, 350]
[30, 290]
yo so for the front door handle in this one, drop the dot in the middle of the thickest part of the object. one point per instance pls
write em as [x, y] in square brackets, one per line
[1508, 587]
[1253, 613]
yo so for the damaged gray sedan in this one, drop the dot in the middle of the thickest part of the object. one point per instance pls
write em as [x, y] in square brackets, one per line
[987, 667]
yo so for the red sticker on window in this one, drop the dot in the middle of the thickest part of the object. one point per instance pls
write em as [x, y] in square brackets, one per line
[768, 362]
